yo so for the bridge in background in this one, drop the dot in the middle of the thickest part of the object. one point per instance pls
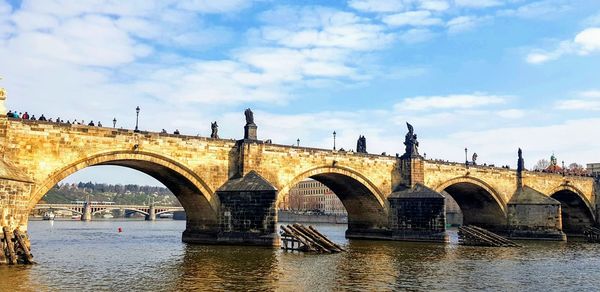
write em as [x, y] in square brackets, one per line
[230, 188]
[88, 210]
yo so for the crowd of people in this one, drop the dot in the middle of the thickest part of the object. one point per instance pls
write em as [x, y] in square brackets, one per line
[27, 116]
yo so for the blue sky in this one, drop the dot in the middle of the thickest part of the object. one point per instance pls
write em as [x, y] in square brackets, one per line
[490, 75]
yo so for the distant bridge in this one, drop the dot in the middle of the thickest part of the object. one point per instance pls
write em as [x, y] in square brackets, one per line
[87, 210]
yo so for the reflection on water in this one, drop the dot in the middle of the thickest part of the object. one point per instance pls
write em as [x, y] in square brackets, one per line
[150, 256]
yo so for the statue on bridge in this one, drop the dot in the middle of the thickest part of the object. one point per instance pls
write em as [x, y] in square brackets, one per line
[361, 144]
[520, 161]
[214, 130]
[249, 116]
[250, 127]
[411, 143]
[474, 158]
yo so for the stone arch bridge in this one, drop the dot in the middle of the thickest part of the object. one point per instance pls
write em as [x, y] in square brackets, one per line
[229, 188]
[87, 210]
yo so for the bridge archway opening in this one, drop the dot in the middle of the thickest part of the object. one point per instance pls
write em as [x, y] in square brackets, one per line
[575, 212]
[335, 198]
[478, 204]
[190, 191]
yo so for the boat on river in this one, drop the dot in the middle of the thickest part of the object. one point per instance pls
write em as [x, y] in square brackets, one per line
[49, 216]
[165, 215]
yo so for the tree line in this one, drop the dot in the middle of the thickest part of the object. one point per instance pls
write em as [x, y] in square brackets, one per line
[129, 194]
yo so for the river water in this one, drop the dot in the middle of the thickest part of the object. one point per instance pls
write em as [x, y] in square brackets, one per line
[149, 256]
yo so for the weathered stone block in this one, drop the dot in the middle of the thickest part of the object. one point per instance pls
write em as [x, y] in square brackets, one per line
[417, 214]
[532, 215]
[247, 213]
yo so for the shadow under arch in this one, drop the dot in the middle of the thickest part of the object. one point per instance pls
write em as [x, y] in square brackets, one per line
[479, 203]
[193, 193]
[363, 202]
[576, 210]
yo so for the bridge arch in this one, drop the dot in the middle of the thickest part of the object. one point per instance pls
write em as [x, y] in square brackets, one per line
[59, 208]
[193, 193]
[576, 209]
[479, 202]
[362, 200]
[127, 209]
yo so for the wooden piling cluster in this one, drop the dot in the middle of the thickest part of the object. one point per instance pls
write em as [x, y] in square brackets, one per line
[302, 238]
[16, 248]
[477, 236]
[591, 234]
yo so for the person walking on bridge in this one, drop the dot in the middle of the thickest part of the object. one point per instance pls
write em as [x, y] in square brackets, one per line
[26, 116]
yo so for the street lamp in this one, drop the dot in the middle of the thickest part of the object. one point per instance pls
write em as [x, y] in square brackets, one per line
[114, 122]
[298, 141]
[334, 140]
[466, 159]
[137, 115]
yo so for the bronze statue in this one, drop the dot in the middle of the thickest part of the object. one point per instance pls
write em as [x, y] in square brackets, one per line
[215, 129]
[411, 143]
[520, 162]
[249, 116]
[361, 144]
[474, 158]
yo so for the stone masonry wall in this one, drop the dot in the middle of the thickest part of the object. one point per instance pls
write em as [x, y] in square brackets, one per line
[503, 181]
[285, 166]
[42, 150]
[14, 199]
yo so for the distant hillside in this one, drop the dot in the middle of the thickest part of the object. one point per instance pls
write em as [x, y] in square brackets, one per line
[120, 194]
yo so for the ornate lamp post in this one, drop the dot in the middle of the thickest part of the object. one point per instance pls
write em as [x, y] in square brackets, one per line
[334, 140]
[466, 159]
[298, 141]
[137, 115]
[114, 122]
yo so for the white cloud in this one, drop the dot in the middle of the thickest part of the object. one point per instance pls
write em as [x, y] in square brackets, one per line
[464, 23]
[478, 3]
[416, 35]
[211, 6]
[586, 101]
[412, 18]
[499, 145]
[511, 113]
[377, 5]
[309, 27]
[434, 5]
[585, 42]
[537, 9]
[588, 40]
[463, 101]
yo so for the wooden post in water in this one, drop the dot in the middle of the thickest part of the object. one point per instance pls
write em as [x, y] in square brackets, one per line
[12, 257]
[27, 257]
